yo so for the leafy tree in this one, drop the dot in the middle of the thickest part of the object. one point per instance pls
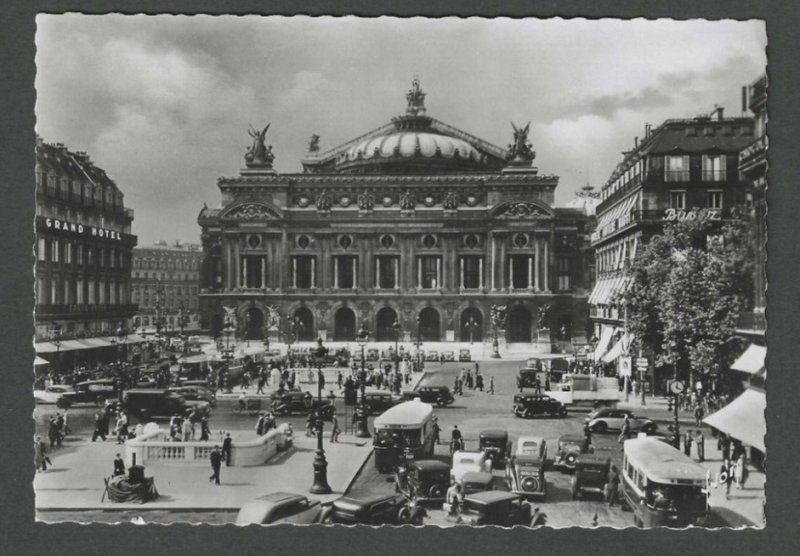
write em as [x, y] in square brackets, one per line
[687, 289]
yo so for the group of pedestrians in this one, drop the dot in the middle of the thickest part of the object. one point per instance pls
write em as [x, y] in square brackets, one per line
[472, 381]
[57, 429]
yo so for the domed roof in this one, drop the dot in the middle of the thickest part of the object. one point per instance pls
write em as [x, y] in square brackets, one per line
[410, 144]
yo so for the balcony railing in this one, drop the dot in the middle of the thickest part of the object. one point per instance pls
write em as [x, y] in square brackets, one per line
[85, 308]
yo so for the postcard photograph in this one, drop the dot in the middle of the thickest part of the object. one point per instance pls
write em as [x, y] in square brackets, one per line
[386, 271]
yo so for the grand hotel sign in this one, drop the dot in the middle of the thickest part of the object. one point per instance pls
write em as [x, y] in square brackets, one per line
[79, 229]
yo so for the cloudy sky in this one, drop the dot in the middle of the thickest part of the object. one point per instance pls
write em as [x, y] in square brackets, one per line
[163, 103]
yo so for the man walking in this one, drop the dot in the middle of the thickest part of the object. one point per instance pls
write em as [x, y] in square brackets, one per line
[204, 430]
[491, 385]
[216, 462]
[612, 486]
[335, 430]
[687, 443]
[699, 413]
[98, 426]
[700, 443]
[227, 448]
[626, 429]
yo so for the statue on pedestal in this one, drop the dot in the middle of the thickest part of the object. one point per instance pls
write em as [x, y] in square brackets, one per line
[259, 155]
[520, 152]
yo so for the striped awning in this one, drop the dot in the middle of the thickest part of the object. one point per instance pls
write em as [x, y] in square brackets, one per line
[618, 348]
[617, 216]
[751, 361]
[606, 288]
[605, 339]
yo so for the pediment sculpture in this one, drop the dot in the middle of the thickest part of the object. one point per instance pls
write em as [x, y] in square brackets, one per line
[251, 211]
[522, 209]
[408, 201]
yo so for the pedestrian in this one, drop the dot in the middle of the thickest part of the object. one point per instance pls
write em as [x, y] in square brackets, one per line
[687, 443]
[98, 426]
[227, 448]
[453, 498]
[479, 382]
[67, 430]
[436, 430]
[699, 413]
[52, 431]
[260, 425]
[740, 471]
[700, 444]
[216, 463]
[335, 430]
[40, 458]
[340, 379]
[122, 428]
[612, 486]
[626, 429]
[477, 368]
[119, 466]
[186, 429]
[538, 386]
[261, 383]
[204, 429]
[491, 385]
[725, 442]
[725, 476]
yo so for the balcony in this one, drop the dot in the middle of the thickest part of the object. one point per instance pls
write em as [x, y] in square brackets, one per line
[106, 309]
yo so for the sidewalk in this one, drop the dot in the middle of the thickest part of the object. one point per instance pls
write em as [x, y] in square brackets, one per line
[75, 482]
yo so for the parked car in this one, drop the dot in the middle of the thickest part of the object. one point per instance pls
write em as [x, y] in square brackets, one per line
[378, 402]
[449, 355]
[591, 475]
[151, 404]
[439, 395]
[195, 393]
[51, 394]
[464, 462]
[477, 481]
[570, 446]
[432, 355]
[611, 418]
[91, 391]
[280, 507]
[530, 405]
[373, 509]
[495, 443]
[464, 355]
[525, 470]
[423, 480]
[495, 508]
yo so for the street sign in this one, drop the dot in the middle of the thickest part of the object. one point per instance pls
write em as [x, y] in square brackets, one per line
[625, 366]
[642, 363]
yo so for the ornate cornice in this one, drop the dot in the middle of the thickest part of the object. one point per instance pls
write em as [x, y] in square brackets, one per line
[406, 181]
[250, 211]
[522, 209]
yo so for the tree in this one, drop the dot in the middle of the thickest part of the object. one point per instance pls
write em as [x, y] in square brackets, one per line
[687, 289]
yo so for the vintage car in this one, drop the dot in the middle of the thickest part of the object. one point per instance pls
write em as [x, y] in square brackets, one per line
[464, 355]
[477, 481]
[424, 480]
[279, 507]
[373, 509]
[297, 402]
[373, 354]
[152, 404]
[495, 443]
[464, 462]
[196, 393]
[378, 402]
[525, 469]
[570, 446]
[51, 394]
[530, 405]
[495, 507]
[591, 475]
[612, 418]
[449, 355]
[439, 395]
[91, 391]
[432, 355]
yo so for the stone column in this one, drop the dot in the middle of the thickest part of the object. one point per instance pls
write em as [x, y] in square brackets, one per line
[243, 278]
[419, 274]
[313, 272]
[530, 272]
[461, 286]
[355, 274]
[511, 274]
[546, 266]
[396, 261]
[438, 273]
[377, 273]
[263, 271]
[336, 273]
[229, 266]
[493, 271]
[294, 273]
[480, 273]
[502, 265]
[236, 258]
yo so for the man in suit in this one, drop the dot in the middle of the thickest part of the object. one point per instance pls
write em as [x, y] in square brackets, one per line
[227, 447]
[216, 462]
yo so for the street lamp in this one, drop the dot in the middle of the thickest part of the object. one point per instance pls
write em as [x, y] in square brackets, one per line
[121, 337]
[182, 324]
[247, 327]
[57, 342]
[593, 342]
[362, 427]
[495, 317]
[397, 329]
[320, 485]
[294, 325]
[676, 427]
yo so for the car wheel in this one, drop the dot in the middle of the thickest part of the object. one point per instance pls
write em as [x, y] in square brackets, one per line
[403, 515]
[562, 412]
[530, 484]
[600, 426]
[440, 402]
[436, 491]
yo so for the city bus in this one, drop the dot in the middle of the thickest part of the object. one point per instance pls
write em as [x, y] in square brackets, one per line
[405, 429]
[663, 486]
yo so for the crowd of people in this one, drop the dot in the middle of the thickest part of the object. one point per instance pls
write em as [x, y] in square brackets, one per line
[472, 381]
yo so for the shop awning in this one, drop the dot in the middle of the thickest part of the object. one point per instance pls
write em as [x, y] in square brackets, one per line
[605, 339]
[617, 349]
[751, 361]
[743, 419]
[39, 361]
[65, 345]
[606, 288]
[95, 342]
[134, 339]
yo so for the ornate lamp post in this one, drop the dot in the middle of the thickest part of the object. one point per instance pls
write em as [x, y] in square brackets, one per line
[57, 342]
[593, 342]
[320, 485]
[496, 312]
[294, 326]
[397, 330]
[418, 345]
[675, 389]
[121, 338]
[247, 327]
[182, 325]
[362, 427]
